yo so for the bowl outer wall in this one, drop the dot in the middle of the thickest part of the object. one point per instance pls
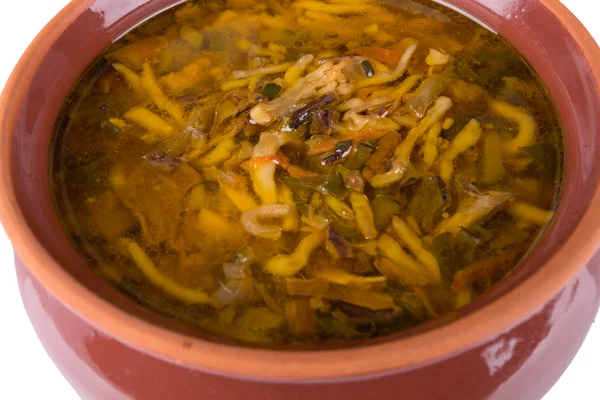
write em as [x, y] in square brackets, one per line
[517, 304]
[520, 364]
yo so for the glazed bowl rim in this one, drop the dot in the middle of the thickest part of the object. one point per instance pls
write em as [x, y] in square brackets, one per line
[260, 364]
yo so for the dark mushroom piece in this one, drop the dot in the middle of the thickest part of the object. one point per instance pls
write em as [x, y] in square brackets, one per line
[302, 115]
[358, 315]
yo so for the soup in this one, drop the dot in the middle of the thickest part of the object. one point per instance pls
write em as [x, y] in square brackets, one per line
[296, 172]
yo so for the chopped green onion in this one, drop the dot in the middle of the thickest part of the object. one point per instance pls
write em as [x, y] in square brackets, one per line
[271, 90]
[302, 207]
[369, 70]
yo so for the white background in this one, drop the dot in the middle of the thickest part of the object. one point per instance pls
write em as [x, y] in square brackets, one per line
[33, 375]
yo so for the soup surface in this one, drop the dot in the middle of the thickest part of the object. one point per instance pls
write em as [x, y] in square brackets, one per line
[289, 172]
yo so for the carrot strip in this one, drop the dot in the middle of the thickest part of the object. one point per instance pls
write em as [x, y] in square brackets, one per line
[323, 147]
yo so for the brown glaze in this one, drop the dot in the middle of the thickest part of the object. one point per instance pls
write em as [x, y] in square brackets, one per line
[528, 328]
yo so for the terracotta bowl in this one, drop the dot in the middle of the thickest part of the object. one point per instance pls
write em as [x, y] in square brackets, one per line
[512, 343]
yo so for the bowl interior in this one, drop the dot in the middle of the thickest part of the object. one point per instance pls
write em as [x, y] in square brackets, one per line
[542, 30]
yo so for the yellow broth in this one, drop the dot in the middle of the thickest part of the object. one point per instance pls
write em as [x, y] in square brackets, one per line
[288, 172]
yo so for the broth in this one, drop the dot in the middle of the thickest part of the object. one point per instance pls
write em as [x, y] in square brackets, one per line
[292, 172]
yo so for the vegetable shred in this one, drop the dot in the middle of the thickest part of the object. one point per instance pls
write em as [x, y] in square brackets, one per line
[293, 172]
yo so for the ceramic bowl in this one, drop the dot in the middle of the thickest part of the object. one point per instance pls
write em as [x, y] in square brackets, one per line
[512, 343]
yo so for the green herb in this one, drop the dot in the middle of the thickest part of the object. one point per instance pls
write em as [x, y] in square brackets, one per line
[361, 156]
[331, 327]
[461, 69]
[271, 91]
[456, 252]
[431, 199]
[412, 303]
[384, 208]
[332, 184]
[302, 207]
